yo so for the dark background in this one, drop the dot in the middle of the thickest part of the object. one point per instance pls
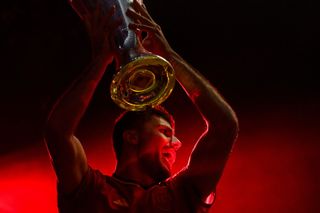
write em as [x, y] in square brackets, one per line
[261, 55]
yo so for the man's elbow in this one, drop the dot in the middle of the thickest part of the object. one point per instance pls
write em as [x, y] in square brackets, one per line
[233, 128]
[227, 124]
[233, 124]
[55, 130]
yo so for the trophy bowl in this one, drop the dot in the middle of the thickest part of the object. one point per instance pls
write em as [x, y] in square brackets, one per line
[146, 81]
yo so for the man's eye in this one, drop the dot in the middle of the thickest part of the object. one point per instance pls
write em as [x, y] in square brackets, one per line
[167, 133]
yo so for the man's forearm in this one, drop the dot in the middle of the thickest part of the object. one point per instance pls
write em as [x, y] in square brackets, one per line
[210, 103]
[71, 106]
[211, 152]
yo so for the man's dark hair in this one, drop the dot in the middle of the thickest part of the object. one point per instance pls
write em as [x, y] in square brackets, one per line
[135, 120]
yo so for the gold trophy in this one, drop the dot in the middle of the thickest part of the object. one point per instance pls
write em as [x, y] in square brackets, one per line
[143, 79]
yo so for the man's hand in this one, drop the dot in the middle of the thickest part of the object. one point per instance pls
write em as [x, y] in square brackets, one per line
[100, 27]
[155, 40]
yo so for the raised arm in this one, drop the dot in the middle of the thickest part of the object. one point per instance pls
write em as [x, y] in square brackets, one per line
[211, 152]
[67, 154]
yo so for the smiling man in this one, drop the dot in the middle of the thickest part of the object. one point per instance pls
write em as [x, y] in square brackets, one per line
[144, 142]
[145, 145]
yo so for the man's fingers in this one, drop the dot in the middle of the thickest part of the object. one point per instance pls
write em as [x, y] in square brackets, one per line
[141, 9]
[113, 25]
[143, 27]
[109, 14]
[138, 18]
[80, 7]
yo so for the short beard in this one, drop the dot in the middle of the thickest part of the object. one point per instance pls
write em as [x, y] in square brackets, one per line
[154, 168]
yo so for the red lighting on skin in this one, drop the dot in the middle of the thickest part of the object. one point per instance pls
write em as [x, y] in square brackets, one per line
[272, 169]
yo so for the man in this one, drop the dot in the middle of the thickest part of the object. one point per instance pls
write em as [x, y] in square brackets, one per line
[144, 142]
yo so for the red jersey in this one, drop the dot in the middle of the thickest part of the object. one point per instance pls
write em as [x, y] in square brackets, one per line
[98, 193]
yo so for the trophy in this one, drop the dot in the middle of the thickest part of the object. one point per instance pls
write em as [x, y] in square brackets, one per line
[142, 79]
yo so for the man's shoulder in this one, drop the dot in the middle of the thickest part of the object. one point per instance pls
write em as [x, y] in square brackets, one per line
[100, 178]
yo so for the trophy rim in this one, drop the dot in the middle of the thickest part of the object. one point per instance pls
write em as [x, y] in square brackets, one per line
[137, 62]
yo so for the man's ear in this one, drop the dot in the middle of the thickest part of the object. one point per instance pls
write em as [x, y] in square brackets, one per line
[130, 136]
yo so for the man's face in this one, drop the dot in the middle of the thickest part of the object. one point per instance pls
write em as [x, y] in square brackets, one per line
[158, 146]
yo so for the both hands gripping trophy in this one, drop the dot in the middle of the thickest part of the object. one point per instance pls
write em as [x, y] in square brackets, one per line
[142, 79]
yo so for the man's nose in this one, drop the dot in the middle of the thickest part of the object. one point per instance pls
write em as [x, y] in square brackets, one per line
[175, 143]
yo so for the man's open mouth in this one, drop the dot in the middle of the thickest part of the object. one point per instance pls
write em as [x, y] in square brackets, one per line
[169, 156]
